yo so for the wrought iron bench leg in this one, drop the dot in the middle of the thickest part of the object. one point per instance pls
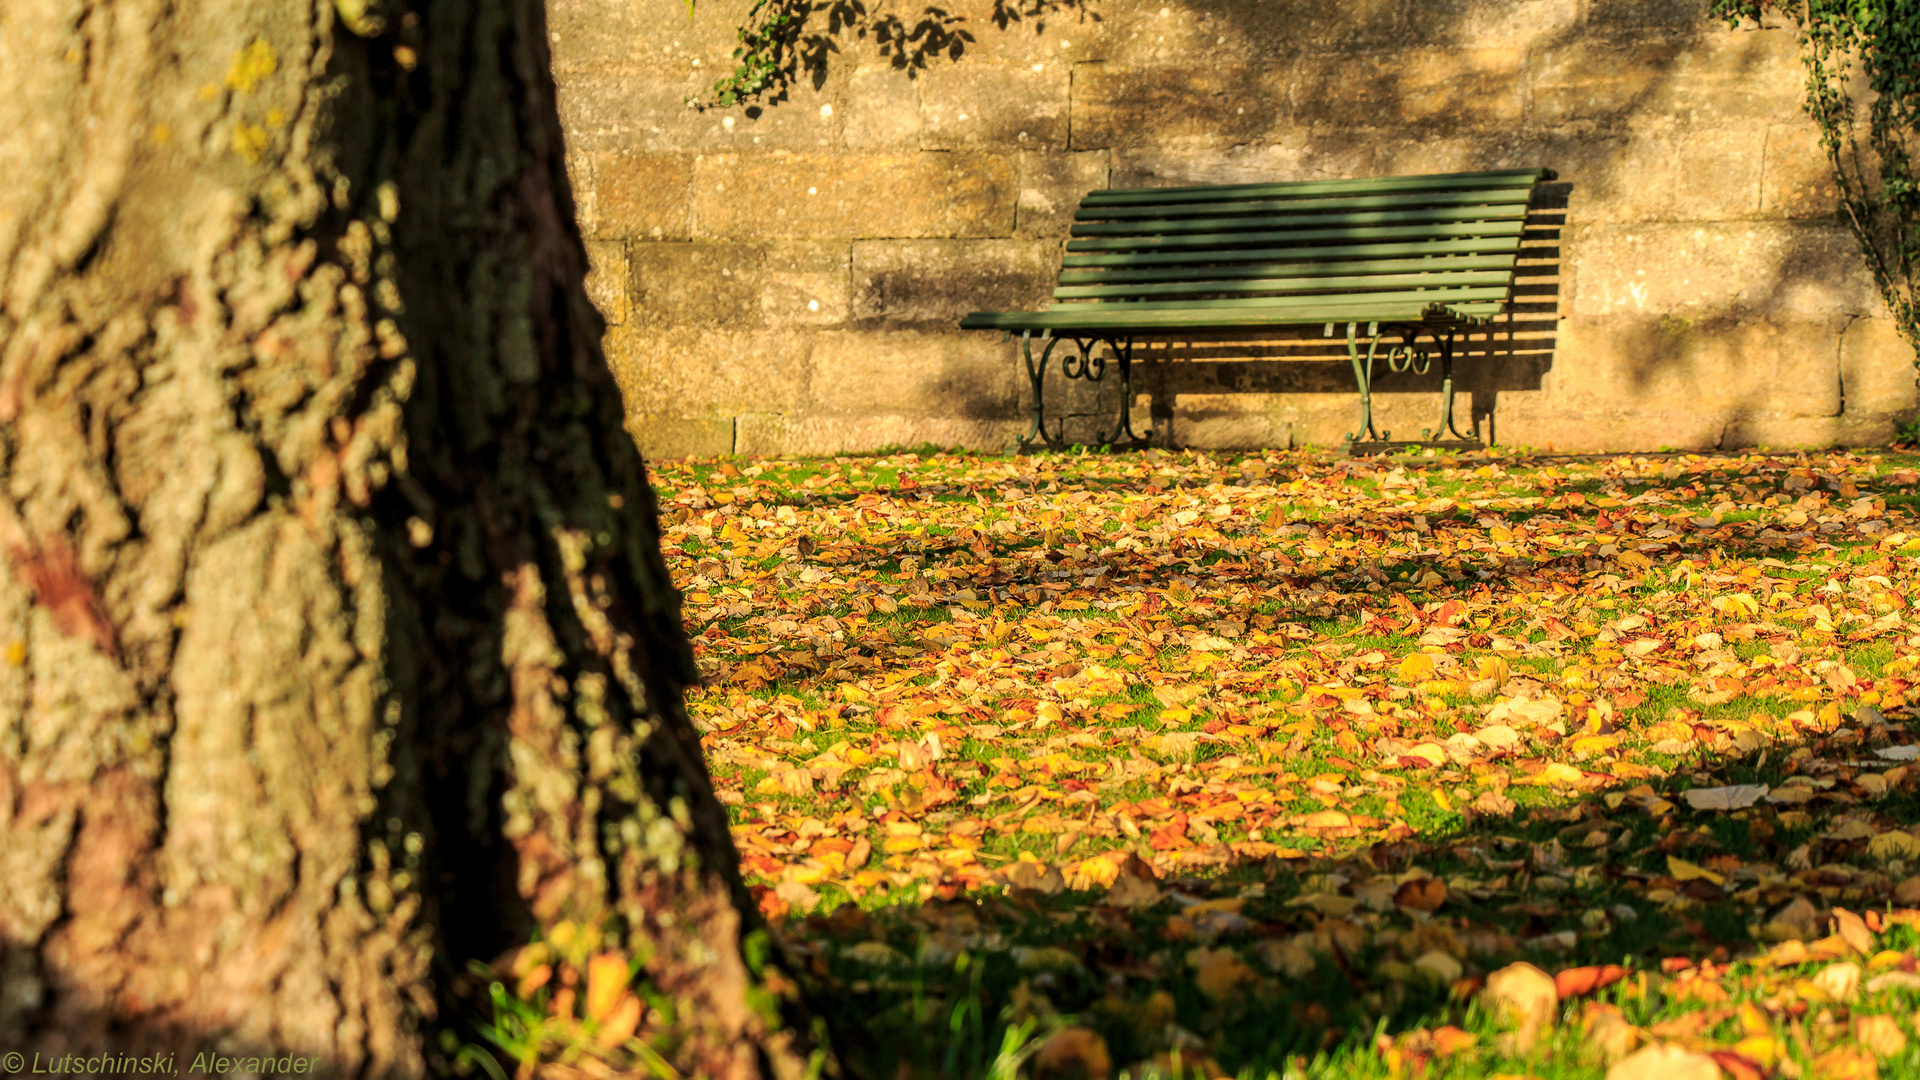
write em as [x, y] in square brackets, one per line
[1446, 427]
[1363, 374]
[1037, 377]
[1123, 349]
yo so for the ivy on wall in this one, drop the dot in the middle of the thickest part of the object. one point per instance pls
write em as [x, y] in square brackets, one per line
[785, 40]
[1875, 172]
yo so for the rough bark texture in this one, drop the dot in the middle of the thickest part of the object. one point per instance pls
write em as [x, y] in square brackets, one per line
[335, 644]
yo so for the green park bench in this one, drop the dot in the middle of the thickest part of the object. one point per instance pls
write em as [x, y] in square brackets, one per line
[1405, 255]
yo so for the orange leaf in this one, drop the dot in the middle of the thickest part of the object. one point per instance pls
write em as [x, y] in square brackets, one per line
[1580, 981]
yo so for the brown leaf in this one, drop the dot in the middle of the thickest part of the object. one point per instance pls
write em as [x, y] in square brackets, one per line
[1421, 894]
[1073, 1053]
[1665, 1061]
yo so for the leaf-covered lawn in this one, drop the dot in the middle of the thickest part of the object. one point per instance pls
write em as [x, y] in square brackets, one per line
[1263, 765]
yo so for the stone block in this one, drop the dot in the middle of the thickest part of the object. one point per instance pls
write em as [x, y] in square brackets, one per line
[1231, 424]
[1435, 89]
[607, 279]
[1716, 366]
[976, 105]
[1052, 184]
[1877, 374]
[1807, 432]
[697, 284]
[590, 34]
[1613, 15]
[959, 33]
[1689, 81]
[1298, 157]
[805, 283]
[665, 438]
[1581, 432]
[881, 109]
[773, 435]
[933, 283]
[965, 376]
[697, 371]
[1798, 181]
[1719, 272]
[825, 196]
[640, 196]
[630, 110]
[1524, 24]
[1177, 107]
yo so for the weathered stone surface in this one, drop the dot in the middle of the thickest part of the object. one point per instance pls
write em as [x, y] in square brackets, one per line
[668, 437]
[1526, 24]
[1807, 431]
[1798, 181]
[964, 106]
[1718, 273]
[1187, 107]
[1688, 80]
[1728, 367]
[933, 283]
[908, 373]
[773, 434]
[881, 109]
[697, 372]
[607, 279]
[1877, 370]
[1052, 183]
[1439, 89]
[821, 196]
[805, 283]
[1647, 14]
[640, 196]
[1298, 158]
[737, 286]
[697, 284]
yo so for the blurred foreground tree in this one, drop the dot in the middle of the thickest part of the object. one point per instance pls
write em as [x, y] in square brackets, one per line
[336, 648]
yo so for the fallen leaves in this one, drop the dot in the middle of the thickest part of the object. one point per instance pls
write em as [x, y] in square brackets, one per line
[1418, 719]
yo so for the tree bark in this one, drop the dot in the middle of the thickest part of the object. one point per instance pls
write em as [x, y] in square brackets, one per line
[336, 649]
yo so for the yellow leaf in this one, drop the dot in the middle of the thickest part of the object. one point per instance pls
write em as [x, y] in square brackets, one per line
[1682, 870]
[1417, 667]
[606, 982]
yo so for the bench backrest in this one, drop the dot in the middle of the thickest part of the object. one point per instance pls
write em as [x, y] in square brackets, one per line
[1412, 243]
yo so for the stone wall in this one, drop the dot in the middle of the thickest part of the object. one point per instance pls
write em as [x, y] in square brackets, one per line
[788, 279]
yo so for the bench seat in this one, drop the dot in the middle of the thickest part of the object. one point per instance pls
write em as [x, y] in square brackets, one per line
[1410, 255]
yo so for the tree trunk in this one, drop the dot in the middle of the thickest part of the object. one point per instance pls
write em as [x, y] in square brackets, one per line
[336, 649]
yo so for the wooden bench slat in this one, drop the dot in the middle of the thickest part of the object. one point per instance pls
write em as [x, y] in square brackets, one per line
[1090, 317]
[1276, 303]
[1298, 188]
[1444, 263]
[1478, 247]
[1346, 219]
[1157, 219]
[1496, 197]
[1302, 236]
[1356, 283]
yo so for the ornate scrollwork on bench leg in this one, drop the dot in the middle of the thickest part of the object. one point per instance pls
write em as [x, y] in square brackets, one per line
[1407, 357]
[1081, 362]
